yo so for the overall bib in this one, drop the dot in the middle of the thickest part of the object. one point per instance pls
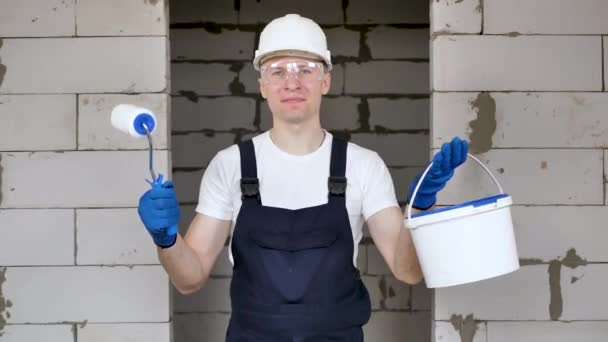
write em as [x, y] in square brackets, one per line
[293, 276]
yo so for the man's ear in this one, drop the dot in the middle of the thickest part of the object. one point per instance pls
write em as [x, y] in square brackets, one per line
[262, 88]
[326, 83]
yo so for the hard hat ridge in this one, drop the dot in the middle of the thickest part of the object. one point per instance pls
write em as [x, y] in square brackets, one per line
[292, 35]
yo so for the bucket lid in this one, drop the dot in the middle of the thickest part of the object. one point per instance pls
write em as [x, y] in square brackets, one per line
[459, 210]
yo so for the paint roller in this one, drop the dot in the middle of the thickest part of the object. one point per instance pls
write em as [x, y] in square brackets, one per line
[136, 122]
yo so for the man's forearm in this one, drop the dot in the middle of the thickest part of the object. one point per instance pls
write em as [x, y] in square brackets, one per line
[407, 266]
[183, 267]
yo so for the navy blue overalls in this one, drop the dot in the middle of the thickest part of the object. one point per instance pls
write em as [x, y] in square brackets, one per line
[293, 277]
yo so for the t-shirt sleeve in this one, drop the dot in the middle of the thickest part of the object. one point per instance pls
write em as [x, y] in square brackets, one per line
[378, 189]
[214, 197]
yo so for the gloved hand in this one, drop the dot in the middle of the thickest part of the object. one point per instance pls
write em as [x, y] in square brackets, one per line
[159, 211]
[450, 156]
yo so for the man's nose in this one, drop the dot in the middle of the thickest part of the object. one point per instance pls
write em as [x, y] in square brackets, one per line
[291, 81]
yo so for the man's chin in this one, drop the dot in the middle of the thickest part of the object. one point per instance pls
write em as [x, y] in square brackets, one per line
[295, 117]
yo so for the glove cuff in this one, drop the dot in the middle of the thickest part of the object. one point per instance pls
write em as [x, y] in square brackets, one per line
[164, 241]
[422, 202]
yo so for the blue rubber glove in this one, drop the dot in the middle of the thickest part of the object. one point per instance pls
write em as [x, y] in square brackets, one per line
[159, 211]
[451, 155]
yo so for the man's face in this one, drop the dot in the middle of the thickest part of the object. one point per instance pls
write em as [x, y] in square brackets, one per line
[293, 87]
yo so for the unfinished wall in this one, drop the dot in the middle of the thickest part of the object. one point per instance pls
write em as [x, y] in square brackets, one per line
[379, 99]
[525, 82]
[76, 263]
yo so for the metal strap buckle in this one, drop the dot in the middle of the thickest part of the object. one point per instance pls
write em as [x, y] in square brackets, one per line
[250, 187]
[337, 185]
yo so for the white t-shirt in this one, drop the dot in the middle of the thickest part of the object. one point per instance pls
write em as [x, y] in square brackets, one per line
[294, 182]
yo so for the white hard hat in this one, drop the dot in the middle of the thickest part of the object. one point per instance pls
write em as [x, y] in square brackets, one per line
[292, 35]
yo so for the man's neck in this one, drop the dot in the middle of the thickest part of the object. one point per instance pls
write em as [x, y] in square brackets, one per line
[297, 140]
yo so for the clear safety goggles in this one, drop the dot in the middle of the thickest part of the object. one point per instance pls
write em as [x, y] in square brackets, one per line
[305, 72]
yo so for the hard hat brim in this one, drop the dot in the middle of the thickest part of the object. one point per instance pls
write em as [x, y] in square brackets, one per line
[261, 58]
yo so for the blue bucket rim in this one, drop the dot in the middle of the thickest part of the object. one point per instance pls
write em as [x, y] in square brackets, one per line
[474, 203]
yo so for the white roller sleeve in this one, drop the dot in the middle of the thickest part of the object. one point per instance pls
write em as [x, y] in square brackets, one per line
[130, 119]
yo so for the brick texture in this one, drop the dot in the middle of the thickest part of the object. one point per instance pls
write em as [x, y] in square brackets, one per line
[31, 332]
[25, 129]
[130, 332]
[578, 173]
[132, 18]
[95, 294]
[85, 173]
[95, 131]
[545, 17]
[114, 63]
[521, 295]
[54, 237]
[575, 119]
[37, 18]
[112, 237]
[463, 63]
[454, 16]
[387, 12]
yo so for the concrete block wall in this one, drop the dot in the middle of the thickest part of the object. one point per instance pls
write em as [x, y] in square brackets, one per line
[524, 81]
[75, 262]
[380, 98]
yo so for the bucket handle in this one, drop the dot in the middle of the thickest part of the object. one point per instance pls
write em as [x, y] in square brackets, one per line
[409, 206]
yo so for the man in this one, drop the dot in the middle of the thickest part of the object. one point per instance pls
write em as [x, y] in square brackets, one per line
[294, 200]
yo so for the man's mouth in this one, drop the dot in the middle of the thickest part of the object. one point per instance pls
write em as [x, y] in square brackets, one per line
[293, 100]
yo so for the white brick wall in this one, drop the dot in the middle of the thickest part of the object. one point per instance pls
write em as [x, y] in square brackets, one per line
[547, 331]
[109, 64]
[37, 18]
[552, 177]
[50, 333]
[95, 131]
[560, 228]
[524, 82]
[463, 63]
[545, 16]
[522, 295]
[456, 16]
[92, 294]
[576, 119]
[112, 237]
[446, 332]
[128, 18]
[27, 233]
[69, 179]
[74, 252]
[139, 332]
[582, 291]
[24, 128]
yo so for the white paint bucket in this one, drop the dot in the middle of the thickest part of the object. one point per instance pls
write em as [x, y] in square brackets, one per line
[467, 242]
